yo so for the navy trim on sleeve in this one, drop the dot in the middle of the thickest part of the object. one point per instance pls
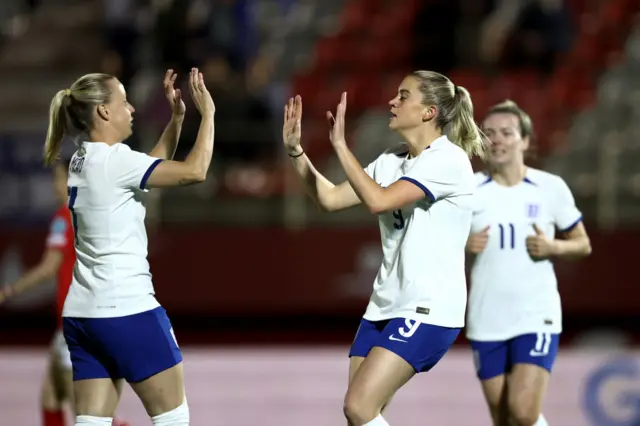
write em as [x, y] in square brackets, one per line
[421, 186]
[489, 179]
[147, 174]
[573, 225]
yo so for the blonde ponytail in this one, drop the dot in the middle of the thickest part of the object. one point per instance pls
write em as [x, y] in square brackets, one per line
[462, 129]
[455, 111]
[71, 111]
[57, 128]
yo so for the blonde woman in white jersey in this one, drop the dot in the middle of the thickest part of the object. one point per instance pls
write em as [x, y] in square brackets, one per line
[514, 316]
[421, 192]
[113, 325]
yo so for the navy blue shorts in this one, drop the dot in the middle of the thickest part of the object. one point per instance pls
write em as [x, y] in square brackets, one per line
[494, 359]
[134, 347]
[421, 345]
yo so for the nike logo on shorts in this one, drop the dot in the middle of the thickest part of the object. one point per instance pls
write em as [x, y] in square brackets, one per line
[396, 339]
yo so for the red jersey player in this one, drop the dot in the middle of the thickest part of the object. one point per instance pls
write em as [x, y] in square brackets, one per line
[58, 260]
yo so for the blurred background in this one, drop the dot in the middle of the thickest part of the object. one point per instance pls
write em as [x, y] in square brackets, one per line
[264, 291]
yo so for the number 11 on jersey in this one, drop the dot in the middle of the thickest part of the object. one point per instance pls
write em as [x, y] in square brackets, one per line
[507, 236]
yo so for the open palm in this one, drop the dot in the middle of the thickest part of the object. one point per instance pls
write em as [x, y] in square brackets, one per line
[291, 129]
[337, 123]
[173, 95]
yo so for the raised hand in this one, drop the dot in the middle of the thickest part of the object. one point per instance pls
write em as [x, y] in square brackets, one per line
[336, 124]
[291, 129]
[173, 95]
[199, 93]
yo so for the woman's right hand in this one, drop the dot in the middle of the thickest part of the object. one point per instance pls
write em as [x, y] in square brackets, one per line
[199, 94]
[477, 241]
[291, 130]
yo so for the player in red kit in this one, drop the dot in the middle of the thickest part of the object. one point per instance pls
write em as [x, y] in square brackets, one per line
[58, 261]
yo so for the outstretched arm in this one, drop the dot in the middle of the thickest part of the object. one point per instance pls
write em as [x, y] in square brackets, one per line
[325, 194]
[39, 274]
[168, 142]
[376, 198]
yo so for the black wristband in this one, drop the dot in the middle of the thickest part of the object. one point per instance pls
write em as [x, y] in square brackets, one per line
[296, 156]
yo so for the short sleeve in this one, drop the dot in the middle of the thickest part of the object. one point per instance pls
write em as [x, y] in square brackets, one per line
[478, 218]
[57, 238]
[436, 173]
[371, 169]
[131, 169]
[478, 203]
[565, 213]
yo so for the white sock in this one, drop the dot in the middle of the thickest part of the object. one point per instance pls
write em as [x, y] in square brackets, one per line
[541, 421]
[176, 417]
[378, 421]
[93, 421]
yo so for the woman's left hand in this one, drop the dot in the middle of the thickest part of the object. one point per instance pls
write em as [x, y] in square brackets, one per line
[336, 124]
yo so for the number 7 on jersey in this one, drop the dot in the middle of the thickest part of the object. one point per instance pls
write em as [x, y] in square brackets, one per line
[72, 192]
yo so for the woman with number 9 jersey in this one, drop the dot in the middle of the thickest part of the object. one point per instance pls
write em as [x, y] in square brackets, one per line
[422, 195]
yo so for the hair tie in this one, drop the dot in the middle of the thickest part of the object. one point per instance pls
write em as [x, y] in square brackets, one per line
[67, 92]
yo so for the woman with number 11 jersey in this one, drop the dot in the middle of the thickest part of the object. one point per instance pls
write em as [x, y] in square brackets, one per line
[514, 314]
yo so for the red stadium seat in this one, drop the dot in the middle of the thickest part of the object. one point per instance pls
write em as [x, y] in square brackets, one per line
[371, 54]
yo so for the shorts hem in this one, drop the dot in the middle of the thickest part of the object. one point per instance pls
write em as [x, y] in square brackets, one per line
[415, 370]
[504, 373]
[77, 378]
[532, 363]
[147, 375]
[493, 376]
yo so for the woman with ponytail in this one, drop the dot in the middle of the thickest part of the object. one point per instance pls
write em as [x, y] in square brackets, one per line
[113, 325]
[421, 192]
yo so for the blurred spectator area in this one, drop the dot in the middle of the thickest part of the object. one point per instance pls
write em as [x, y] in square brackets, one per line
[549, 56]
[563, 61]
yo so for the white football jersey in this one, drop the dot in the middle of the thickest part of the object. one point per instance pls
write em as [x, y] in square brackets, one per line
[422, 276]
[111, 277]
[511, 294]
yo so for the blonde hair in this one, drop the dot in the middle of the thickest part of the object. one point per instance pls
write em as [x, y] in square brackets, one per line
[455, 111]
[71, 111]
[510, 107]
